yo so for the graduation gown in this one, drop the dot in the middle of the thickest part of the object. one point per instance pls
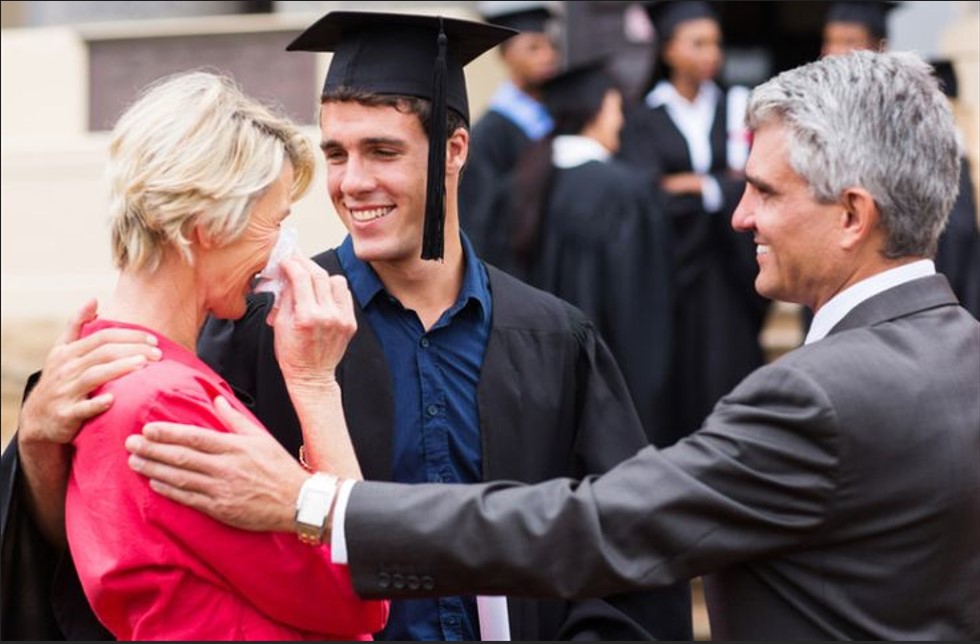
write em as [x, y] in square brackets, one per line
[551, 403]
[496, 144]
[717, 313]
[551, 400]
[604, 247]
[958, 254]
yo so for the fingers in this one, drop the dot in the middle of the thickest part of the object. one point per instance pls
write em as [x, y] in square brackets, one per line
[97, 375]
[235, 420]
[121, 342]
[83, 315]
[83, 410]
[191, 498]
[173, 442]
[344, 299]
[173, 480]
[301, 281]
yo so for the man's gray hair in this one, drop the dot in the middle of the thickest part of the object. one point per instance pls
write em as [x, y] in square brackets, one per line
[874, 120]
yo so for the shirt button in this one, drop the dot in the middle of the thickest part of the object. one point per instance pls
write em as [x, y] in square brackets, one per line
[432, 410]
[428, 583]
[424, 342]
[384, 580]
[413, 582]
[397, 581]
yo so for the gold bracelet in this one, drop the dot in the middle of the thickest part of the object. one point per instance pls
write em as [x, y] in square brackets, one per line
[302, 458]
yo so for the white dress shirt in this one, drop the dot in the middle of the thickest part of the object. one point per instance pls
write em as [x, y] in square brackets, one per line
[694, 120]
[570, 151]
[844, 302]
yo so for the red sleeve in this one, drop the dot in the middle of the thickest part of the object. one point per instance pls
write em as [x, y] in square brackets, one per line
[177, 572]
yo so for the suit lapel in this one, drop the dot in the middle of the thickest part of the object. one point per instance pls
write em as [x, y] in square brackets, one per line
[905, 299]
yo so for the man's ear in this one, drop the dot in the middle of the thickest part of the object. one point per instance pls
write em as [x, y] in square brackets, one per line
[457, 151]
[860, 218]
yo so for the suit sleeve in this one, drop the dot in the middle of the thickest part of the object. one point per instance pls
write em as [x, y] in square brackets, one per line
[759, 475]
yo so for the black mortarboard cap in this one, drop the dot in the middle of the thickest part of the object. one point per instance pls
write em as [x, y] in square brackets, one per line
[946, 75]
[522, 16]
[581, 87]
[406, 55]
[667, 14]
[872, 14]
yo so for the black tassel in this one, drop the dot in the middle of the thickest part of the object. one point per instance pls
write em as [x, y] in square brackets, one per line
[433, 236]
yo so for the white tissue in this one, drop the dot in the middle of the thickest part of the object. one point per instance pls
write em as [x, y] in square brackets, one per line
[271, 278]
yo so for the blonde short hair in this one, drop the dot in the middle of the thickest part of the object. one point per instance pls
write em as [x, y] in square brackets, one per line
[193, 150]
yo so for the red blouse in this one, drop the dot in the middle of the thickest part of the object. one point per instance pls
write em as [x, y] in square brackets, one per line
[154, 569]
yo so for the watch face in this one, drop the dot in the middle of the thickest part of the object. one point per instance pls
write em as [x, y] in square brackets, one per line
[313, 508]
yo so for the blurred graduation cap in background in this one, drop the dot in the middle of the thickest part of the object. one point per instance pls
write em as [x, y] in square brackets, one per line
[667, 14]
[872, 14]
[406, 55]
[946, 74]
[514, 14]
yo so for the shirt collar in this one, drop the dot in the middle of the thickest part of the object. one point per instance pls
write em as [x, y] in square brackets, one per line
[844, 302]
[365, 283]
[476, 282]
[664, 93]
[569, 151]
[525, 112]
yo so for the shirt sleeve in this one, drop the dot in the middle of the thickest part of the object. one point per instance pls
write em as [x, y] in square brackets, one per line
[711, 197]
[338, 539]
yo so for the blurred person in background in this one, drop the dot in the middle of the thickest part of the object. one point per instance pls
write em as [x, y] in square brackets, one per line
[688, 136]
[589, 228]
[515, 117]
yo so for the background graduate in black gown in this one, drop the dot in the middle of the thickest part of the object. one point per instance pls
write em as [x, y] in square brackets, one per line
[589, 228]
[515, 118]
[688, 137]
[958, 253]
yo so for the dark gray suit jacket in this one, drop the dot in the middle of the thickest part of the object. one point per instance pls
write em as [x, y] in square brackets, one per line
[833, 494]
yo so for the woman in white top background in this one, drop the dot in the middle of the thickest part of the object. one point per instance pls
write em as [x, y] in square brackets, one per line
[688, 136]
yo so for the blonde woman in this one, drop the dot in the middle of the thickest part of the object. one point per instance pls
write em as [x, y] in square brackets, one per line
[201, 179]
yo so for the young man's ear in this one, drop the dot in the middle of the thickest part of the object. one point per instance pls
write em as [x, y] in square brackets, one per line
[457, 150]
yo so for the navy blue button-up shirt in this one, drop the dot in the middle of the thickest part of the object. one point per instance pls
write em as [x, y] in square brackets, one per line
[434, 376]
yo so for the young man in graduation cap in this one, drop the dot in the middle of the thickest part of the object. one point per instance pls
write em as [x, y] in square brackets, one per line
[458, 372]
[515, 118]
